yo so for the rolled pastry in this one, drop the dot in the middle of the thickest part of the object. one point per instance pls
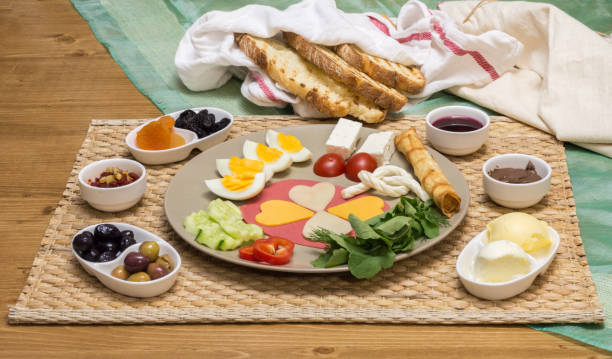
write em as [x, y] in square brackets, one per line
[428, 172]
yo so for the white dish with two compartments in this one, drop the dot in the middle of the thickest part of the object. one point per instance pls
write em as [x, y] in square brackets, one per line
[540, 261]
[191, 139]
[102, 270]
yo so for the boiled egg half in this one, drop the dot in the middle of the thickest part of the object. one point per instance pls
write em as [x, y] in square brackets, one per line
[237, 187]
[273, 159]
[288, 144]
[236, 166]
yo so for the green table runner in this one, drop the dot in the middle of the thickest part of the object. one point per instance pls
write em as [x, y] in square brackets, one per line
[142, 36]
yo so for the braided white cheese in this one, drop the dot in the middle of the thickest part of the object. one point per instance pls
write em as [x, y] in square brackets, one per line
[388, 180]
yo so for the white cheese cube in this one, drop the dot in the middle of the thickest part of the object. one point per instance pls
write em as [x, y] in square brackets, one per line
[380, 146]
[343, 138]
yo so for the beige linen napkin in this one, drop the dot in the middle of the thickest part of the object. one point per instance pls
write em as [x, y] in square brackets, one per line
[562, 83]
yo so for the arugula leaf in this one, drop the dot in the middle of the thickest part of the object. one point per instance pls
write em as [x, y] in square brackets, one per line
[365, 266]
[431, 230]
[362, 229]
[322, 261]
[338, 257]
[394, 224]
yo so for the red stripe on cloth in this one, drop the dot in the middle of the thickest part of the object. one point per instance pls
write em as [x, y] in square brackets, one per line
[379, 24]
[264, 87]
[415, 36]
[457, 50]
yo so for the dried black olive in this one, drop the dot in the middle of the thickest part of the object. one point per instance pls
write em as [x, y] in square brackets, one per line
[183, 118]
[222, 124]
[208, 122]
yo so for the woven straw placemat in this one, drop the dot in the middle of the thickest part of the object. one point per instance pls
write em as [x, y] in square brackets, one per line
[421, 289]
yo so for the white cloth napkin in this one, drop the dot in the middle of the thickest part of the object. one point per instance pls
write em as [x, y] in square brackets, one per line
[563, 80]
[449, 57]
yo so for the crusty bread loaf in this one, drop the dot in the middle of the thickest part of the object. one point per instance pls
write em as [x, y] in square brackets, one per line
[334, 66]
[306, 81]
[404, 78]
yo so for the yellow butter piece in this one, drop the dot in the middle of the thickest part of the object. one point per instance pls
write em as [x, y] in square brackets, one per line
[364, 208]
[277, 212]
[521, 228]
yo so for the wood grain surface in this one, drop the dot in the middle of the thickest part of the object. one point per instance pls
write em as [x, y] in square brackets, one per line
[55, 78]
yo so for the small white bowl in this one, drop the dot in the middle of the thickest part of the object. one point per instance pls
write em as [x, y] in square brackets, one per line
[117, 198]
[516, 195]
[102, 270]
[540, 261]
[457, 143]
[191, 139]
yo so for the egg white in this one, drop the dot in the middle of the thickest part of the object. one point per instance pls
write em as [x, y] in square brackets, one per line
[216, 187]
[223, 168]
[249, 150]
[300, 156]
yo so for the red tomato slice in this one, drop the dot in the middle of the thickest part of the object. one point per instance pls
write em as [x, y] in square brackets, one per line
[274, 250]
[247, 253]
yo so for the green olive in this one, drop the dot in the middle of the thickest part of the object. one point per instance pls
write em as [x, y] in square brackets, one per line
[120, 272]
[165, 261]
[149, 249]
[139, 277]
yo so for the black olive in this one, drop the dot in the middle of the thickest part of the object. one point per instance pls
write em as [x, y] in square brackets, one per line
[107, 256]
[106, 232]
[91, 254]
[127, 239]
[104, 246]
[83, 241]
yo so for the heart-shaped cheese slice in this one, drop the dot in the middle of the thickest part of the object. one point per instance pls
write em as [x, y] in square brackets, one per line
[327, 221]
[364, 208]
[315, 197]
[277, 212]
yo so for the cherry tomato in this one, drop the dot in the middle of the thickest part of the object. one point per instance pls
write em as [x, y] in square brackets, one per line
[274, 250]
[359, 162]
[329, 165]
[246, 253]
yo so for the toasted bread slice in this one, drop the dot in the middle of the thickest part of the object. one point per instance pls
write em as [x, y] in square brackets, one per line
[334, 66]
[306, 81]
[404, 78]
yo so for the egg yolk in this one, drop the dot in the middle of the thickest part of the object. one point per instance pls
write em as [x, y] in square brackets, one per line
[237, 182]
[268, 154]
[245, 166]
[289, 143]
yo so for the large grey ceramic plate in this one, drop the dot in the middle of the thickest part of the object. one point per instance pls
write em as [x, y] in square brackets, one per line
[187, 193]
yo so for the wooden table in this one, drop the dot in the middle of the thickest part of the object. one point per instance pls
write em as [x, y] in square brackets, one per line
[55, 77]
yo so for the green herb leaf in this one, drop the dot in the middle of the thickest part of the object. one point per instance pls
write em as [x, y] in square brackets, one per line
[338, 257]
[431, 229]
[365, 266]
[322, 261]
[362, 229]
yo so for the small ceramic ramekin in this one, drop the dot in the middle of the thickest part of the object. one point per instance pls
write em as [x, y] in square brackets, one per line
[540, 260]
[516, 195]
[117, 198]
[191, 140]
[457, 143]
[102, 270]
